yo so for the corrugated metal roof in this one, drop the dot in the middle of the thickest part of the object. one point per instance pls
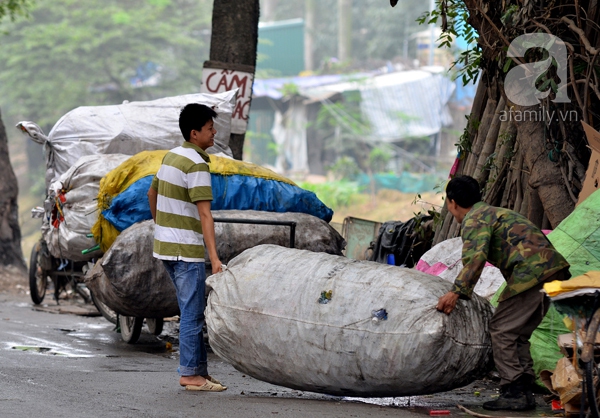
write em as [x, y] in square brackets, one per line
[397, 105]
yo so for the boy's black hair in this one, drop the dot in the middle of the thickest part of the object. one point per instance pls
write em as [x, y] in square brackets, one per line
[193, 117]
[464, 190]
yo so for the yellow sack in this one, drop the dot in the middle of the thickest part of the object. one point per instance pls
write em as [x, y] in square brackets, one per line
[589, 279]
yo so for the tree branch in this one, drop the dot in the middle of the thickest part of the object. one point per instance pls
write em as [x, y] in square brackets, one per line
[589, 48]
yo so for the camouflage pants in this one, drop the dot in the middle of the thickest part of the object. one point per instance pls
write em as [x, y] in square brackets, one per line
[513, 322]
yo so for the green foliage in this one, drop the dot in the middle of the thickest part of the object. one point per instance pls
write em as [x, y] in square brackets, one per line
[14, 8]
[37, 182]
[453, 15]
[506, 18]
[86, 52]
[290, 90]
[345, 168]
[345, 114]
[335, 194]
[379, 157]
[434, 211]
[259, 147]
[464, 142]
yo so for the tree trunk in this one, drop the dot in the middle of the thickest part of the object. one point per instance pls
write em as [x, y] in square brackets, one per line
[345, 30]
[546, 175]
[268, 10]
[10, 233]
[309, 34]
[234, 40]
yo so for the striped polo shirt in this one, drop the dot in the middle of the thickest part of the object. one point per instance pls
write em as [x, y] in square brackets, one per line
[182, 180]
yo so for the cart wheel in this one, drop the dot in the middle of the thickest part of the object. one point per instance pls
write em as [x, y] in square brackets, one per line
[155, 325]
[107, 313]
[131, 328]
[591, 387]
[38, 277]
[591, 378]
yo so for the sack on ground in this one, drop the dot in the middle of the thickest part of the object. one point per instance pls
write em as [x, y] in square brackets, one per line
[329, 324]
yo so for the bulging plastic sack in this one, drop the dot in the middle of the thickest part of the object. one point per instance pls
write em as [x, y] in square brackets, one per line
[328, 324]
[73, 207]
[128, 128]
[132, 282]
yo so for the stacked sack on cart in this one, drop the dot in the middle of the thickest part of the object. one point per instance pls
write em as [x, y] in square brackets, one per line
[88, 142]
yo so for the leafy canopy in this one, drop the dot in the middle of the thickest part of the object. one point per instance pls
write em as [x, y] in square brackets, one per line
[71, 53]
[13, 8]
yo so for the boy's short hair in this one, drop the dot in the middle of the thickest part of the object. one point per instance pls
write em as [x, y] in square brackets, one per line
[193, 117]
[464, 190]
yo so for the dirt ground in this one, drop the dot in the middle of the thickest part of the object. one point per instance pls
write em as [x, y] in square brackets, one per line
[389, 205]
[13, 281]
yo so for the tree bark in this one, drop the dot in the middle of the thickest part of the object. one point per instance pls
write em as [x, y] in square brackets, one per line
[481, 171]
[479, 139]
[345, 30]
[234, 40]
[10, 233]
[551, 187]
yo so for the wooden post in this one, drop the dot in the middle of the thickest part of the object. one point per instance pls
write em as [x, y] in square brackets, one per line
[309, 35]
[345, 30]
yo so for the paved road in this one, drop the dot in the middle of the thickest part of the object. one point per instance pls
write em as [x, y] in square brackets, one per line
[86, 370]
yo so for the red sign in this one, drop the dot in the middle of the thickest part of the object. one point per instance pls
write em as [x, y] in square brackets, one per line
[218, 80]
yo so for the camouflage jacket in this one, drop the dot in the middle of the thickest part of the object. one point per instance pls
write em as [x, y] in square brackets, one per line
[510, 242]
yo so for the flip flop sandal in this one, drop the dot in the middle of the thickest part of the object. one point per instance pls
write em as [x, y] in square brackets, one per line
[207, 387]
[212, 379]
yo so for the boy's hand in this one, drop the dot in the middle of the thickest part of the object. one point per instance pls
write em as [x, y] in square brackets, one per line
[217, 266]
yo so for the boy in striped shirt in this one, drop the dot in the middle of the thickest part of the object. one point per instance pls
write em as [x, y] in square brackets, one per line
[180, 197]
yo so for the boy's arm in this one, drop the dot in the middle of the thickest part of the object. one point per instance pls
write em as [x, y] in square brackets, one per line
[152, 199]
[208, 230]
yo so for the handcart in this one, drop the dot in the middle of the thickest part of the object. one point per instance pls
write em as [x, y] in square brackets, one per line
[65, 276]
[583, 306]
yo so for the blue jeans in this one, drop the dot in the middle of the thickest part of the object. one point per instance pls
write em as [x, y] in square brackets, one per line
[190, 283]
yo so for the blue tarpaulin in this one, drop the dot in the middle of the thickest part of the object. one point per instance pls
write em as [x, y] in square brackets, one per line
[230, 192]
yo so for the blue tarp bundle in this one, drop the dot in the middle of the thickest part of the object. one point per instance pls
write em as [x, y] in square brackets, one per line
[230, 192]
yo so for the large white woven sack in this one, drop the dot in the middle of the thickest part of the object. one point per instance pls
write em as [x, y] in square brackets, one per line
[80, 209]
[128, 128]
[267, 317]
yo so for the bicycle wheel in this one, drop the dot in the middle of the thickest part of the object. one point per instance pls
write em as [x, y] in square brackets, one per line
[155, 325]
[131, 328]
[107, 313]
[38, 277]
